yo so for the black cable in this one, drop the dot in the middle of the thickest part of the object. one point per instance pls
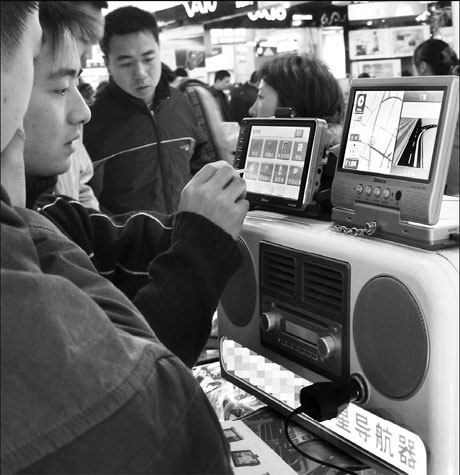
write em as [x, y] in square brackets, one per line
[310, 457]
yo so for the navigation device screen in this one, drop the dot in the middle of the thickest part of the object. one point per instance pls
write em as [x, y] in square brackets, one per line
[393, 133]
[275, 160]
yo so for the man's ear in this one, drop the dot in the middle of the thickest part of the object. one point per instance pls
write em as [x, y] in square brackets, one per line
[422, 67]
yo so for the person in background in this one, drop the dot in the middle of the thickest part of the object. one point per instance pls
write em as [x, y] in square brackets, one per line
[406, 72]
[435, 57]
[242, 98]
[168, 73]
[364, 75]
[181, 72]
[87, 91]
[143, 137]
[305, 84]
[100, 87]
[222, 80]
[208, 116]
[180, 75]
[89, 25]
[86, 384]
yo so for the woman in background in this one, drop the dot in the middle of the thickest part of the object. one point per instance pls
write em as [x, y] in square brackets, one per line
[435, 57]
[303, 83]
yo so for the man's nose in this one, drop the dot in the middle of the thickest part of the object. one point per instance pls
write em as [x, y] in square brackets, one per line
[140, 72]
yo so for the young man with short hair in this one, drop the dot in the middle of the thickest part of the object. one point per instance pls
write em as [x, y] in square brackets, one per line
[123, 247]
[88, 23]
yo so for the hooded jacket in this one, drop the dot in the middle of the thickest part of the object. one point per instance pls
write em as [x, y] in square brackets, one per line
[87, 387]
[143, 157]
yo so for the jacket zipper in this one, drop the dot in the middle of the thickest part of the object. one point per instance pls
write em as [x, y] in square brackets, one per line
[164, 169]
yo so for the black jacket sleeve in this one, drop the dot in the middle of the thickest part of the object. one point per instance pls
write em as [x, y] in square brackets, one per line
[174, 268]
[187, 282]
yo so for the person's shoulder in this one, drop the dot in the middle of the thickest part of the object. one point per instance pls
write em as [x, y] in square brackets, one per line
[213, 91]
[250, 87]
[176, 98]
[234, 91]
[106, 110]
[192, 83]
[101, 103]
[176, 93]
[99, 109]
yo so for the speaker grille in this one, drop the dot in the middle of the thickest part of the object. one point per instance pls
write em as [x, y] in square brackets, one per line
[239, 297]
[278, 272]
[323, 286]
[390, 337]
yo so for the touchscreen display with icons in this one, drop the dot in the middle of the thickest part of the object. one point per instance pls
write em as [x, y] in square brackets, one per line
[275, 160]
[282, 159]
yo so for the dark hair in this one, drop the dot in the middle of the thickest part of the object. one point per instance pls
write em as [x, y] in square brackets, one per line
[167, 72]
[221, 74]
[305, 84]
[86, 26]
[99, 5]
[100, 89]
[87, 91]
[406, 72]
[14, 16]
[364, 75]
[57, 18]
[441, 58]
[182, 72]
[85, 88]
[254, 77]
[126, 20]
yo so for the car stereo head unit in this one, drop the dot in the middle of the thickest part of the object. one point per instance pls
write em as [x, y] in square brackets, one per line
[283, 160]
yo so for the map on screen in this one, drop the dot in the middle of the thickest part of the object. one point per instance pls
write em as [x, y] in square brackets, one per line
[393, 132]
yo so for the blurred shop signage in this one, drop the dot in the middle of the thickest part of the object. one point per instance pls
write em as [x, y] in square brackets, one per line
[272, 14]
[377, 10]
[219, 8]
[199, 7]
[244, 4]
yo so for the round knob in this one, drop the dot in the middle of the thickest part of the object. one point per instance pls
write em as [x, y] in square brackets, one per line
[269, 321]
[326, 346]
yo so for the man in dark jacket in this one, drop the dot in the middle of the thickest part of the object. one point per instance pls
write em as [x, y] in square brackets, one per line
[221, 83]
[87, 387]
[143, 136]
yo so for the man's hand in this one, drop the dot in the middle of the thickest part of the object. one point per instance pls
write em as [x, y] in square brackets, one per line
[218, 193]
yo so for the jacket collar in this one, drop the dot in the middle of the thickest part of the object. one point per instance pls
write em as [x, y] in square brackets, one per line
[162, 92]
[36, 186]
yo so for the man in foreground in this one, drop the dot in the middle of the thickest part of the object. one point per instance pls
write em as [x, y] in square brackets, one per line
[86, 385]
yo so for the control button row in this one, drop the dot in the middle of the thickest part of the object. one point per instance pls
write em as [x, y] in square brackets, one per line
[377, 191]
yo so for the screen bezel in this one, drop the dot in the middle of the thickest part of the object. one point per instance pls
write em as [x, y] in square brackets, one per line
[267, 200]
[410, 198]
[378, 86]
